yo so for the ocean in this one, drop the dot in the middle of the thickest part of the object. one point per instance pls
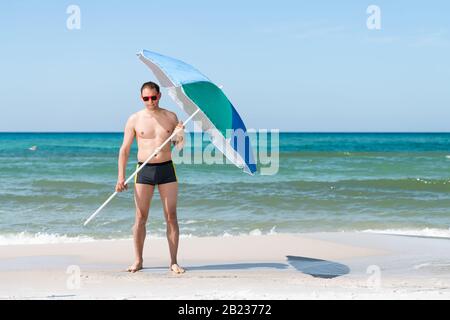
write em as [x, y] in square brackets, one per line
[367, 182]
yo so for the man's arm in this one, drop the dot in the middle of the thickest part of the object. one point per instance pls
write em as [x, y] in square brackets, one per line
[124, 152]
[178, 139]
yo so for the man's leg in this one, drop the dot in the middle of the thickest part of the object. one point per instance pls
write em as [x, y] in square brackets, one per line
[169, 194]
[143, 194]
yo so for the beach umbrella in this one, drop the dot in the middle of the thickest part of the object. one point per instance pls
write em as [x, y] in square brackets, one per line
[206, 104]
[194, 92]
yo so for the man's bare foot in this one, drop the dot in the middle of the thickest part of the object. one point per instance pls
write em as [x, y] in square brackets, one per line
[175, 268]
[135, 267]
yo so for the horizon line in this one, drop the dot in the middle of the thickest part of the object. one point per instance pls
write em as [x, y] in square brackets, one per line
[287, 131]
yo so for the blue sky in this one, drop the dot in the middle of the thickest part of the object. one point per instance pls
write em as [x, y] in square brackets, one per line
[288, 65]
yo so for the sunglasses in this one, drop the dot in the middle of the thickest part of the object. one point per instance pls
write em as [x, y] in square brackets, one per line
[153, 98]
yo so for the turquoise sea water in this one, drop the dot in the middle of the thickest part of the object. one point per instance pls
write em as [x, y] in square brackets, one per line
[389, 182]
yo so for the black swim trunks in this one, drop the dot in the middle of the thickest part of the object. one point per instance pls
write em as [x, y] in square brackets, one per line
[156, 173]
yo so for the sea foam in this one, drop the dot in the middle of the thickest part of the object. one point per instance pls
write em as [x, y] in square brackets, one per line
[40, 238]
[426, 232]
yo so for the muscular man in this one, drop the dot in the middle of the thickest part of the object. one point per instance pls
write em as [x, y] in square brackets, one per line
[151, 127]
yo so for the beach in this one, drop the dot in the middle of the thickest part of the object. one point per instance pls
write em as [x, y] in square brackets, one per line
[346, 216]
[277, 266]
[297, 150]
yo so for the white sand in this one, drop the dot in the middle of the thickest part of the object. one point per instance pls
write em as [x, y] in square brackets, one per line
[282, 266]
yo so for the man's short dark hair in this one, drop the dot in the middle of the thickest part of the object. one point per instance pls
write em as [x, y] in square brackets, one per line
[150, 85]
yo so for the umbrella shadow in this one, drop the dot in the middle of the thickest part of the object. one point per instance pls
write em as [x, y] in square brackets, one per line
[228, 266]
[318, 268]
[314, 267]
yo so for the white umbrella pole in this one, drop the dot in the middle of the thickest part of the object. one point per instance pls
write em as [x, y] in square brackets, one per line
[139, 169]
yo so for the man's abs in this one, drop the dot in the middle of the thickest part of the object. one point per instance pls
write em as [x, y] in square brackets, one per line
[146, 148]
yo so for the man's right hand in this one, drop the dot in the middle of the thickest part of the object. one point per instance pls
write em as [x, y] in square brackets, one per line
[120, 186]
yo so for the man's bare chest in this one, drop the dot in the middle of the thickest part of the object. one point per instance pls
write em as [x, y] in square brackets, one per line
[151, 128]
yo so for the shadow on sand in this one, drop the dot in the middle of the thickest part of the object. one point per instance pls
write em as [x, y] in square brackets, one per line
[229, 266]
[315, 267]
[318, 268]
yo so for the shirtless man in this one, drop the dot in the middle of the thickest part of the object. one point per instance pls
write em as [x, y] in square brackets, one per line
[151, 127]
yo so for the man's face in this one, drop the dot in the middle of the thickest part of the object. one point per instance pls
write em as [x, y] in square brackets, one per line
[147, 95]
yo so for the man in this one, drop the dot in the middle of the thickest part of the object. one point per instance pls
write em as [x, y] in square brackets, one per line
[151, 127]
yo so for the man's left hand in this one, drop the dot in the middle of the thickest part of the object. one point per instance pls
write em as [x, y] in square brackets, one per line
[179, 125]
